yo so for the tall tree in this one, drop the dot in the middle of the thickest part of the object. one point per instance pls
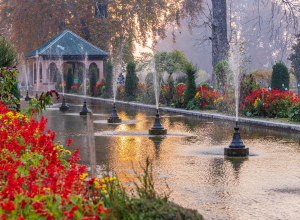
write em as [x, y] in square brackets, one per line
[295, 58]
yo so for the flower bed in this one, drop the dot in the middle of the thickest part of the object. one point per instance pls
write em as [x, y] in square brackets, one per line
[36, 181]
[273, 103]
[98, 89]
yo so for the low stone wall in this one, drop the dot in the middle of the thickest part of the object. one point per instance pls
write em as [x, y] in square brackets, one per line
[265, 123]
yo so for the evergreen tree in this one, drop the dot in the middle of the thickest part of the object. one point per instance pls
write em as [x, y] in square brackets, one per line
[15, 91]
[80, 77]
[7, 54]
[280, 75]
[70, 78]
[131, 81]
[295, 58]
[93, 79]
[191, 90]
[108, 82]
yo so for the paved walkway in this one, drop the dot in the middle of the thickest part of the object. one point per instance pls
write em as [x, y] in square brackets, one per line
[266, 123]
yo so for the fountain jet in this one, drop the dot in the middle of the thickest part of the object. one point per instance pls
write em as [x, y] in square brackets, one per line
[237, 147]
[84, 109]
[157, 128]
[64, 106]
[114, 118]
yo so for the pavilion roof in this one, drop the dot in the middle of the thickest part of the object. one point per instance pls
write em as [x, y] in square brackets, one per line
[65, 44]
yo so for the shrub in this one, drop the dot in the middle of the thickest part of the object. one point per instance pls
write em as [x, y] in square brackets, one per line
[178, 98]
[204, 99]
[150, 94]
[223, 75]
[70, 78]
[247, 86]
[81, 76]
[273, 103]
[15, 91]
[108, 81]
[131, 81]
[8, 55]
[93, 79]
[120, 92]
[280, 75]
[191, 89]
[206, 85]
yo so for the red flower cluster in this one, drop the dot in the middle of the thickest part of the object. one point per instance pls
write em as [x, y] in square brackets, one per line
[270, 102]
[98, 88]
[36, 181]
[205, 97]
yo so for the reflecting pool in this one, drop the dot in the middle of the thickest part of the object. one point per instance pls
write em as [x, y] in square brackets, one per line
[264, 186]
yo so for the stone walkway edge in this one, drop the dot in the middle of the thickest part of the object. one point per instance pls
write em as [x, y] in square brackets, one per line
[265, 123]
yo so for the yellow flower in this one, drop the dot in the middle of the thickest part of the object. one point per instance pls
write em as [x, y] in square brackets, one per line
[103, 191]
[83, 176]
[68, 152]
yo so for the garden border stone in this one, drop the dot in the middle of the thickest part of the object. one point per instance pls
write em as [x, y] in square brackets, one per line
[278, 125]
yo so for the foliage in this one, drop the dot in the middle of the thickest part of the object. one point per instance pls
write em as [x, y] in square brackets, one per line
[38, 105]
[202, 77]
[190, 70]
[171, 62]
[206, 85]
[131, 81]
[81, 76]
[15, 91]
[280, 75]
[93, 79]
[7, 54]
[223, 75]
[150, 94]
[170, 91]
[295, 58]
[69, 78]
[108, 82]
[226, 103]
[120, 93]
[181, 79]
[141, 92]
[247, 86]
[8, 78]
[263, 76]
[273, 103]
[57, 85]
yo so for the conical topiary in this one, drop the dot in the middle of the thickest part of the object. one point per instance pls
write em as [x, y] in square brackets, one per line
[191, 90]
[280, 75]
[70, 78]
[131, 81]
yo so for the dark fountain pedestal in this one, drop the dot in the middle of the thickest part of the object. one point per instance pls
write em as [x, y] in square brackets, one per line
[237, 147]
[64, 106]
[114, 118]
[84, 109]
[27, 98]
[157, 128]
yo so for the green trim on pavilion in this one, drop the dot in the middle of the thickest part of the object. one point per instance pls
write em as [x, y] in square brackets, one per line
[67, 44]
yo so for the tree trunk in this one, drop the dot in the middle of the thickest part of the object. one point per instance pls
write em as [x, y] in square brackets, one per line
[220, 45]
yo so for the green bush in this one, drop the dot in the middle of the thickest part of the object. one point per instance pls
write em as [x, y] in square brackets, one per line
[70, 78]
[150, 94]
[80, 77]
[108, 81]
[280, 75]
[8, 56]
[131, 81]
[93, 79]
[206, 85]
[247, 86]
[223, 75]
[15, 91]
[171, 91]
[191, 90]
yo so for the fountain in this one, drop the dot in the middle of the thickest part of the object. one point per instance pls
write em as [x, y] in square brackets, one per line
[237, 147]
[38, 59]
[114, 118]
[85, 109]
[157, 128]
[27, 98]
[63, 106]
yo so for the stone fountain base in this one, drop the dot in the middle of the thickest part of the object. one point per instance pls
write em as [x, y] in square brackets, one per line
[114, 120]
[84, 109]
[158, 131]
[236, 152]
[64, 106]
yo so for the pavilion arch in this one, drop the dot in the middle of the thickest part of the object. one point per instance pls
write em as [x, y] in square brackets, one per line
[52, 73]
[92, 65]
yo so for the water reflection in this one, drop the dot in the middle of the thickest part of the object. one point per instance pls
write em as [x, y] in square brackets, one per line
[264, 186]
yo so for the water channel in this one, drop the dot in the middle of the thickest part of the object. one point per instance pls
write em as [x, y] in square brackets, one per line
[191, 161]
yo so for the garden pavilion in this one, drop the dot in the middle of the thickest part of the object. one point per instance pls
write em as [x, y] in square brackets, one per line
[66, 47]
